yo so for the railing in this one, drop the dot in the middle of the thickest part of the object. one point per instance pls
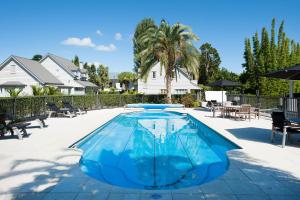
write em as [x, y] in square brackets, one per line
[35, 105]
[268, 104]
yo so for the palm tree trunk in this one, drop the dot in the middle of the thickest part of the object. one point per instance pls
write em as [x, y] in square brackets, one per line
[168, 86]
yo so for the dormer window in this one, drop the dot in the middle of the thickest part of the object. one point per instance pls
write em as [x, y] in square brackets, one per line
[154, 74]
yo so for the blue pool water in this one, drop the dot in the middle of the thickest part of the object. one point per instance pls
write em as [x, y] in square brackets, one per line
[154, 150]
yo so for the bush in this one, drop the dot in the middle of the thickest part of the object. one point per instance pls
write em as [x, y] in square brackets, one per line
[188, 100]
[196, 104]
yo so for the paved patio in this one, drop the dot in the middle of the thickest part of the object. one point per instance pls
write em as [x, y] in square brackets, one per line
[41, 167]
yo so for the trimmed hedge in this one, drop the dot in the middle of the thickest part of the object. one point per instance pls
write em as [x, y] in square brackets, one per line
[35, 105]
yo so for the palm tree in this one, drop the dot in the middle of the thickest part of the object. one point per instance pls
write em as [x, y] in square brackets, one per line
[37, 90]
[126, 78]
[172, 47]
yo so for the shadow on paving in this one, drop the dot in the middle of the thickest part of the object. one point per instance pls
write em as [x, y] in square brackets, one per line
[263, 136]
[60, 179]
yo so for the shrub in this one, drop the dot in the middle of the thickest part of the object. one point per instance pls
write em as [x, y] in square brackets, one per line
[196, 104]
[188, 100]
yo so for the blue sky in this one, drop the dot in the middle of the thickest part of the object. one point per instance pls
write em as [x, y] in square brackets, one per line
[101, 31]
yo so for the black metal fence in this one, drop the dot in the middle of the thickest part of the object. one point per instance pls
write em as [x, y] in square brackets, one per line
[267, 104]
[35, 105]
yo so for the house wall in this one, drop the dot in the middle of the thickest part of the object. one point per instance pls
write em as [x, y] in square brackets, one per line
[61, 75]
[158, 85]
[13, 72]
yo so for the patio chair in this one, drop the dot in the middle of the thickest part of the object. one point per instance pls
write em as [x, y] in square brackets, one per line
[255, 112]
[281, 125]
[244, 112]
[74, 109]
[54, 110]
[6, 124]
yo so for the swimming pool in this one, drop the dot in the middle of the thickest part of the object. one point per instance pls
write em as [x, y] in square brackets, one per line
[154, 150]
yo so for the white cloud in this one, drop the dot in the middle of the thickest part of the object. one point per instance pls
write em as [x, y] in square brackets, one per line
[98, 32]
[118, 36]
[106, 48]
[74, 41]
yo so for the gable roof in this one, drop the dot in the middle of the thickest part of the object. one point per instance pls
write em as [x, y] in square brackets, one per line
[86, 83]
[35, 69]
[66, 64]
[13, 83]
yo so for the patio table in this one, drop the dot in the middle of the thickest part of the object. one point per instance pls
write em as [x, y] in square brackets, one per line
[228, 109]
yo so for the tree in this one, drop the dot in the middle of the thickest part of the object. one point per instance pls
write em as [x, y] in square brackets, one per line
[140, 29]
[103, 76]
[37, 90]
[223, 73]
[14, 92]
[51, 90]
[93, 76]
[76, 61]
[268, 55]
[209, 63]
[37, 57]
[172, 47]
[126, 78]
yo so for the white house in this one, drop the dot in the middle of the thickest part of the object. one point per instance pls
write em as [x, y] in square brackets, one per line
[74, 79]
[18, 72]
[156, 82]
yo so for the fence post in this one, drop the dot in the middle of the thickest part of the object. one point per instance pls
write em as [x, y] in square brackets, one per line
[120, 100]
[97, 101]
[298, 106]
[241, 99]
[72, 100]
[31, 106]
[44, 107]
[14, 108]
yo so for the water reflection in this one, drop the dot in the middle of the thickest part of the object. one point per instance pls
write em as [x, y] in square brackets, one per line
[154, 150]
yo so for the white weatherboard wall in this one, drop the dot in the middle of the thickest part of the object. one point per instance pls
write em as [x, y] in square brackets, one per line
[215, 95]
[63, 76]
[13, 72]
[156, 85]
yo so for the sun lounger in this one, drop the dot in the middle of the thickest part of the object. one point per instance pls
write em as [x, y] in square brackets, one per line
[13, 127]
[74, 109]
[54, 110]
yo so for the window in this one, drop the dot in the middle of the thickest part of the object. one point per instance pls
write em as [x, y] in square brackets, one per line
[154, 74]
[181, 91]
[13, 69]
[163, 91]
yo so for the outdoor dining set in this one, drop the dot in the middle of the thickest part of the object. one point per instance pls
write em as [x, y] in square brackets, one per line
[230, 109]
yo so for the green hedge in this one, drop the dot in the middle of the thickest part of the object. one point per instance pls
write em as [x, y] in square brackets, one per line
[29, 106]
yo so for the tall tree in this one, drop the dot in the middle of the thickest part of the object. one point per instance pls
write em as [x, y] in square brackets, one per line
[37, 57]
[140, 29]
[76, 61]
[103, 76]
[268, 55]
[209, 60]
[172, 47]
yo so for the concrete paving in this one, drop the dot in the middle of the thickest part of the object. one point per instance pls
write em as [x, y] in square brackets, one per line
[42, 167]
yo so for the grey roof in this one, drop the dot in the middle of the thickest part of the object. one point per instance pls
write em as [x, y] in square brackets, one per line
[13, 83]
[38, 71]
[185, 72]
[66, 64]
[86, 83]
